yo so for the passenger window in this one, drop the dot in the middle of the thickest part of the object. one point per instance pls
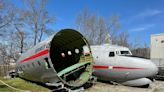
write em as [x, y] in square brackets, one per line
[162, 41]
[39, 63]
[33, 64]
[24, 66]
[111, 54]
[28, 65]
[47, 63]
[20, 68]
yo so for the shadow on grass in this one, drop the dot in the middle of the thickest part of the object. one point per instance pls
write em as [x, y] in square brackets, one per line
[3, 86]
[37, 83]
[53, 88]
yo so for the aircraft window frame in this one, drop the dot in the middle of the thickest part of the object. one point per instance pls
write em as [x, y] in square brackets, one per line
[28, 65]
[39, 63]
[111, 55]
[24, 66]
[125, 53]
[33, 64]
[47, 62]
[162, 41]
[20, 68]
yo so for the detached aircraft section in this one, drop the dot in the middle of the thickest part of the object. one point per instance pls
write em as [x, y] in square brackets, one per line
[64, 60]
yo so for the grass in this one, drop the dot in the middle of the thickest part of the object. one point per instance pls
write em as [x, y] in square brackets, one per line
[22, 85]
[4, 88]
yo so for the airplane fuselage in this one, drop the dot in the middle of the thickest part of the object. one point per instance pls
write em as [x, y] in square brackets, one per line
[115, 63]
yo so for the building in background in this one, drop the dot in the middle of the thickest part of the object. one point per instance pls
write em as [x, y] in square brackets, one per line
[157, 52]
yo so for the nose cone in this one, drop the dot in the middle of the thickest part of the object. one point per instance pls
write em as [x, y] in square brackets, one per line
[146, 67]
[151, 68]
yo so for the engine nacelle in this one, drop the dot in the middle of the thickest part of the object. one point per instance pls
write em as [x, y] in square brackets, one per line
[138, 82]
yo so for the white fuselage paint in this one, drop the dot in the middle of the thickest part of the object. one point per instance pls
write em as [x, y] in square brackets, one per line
[120, 67]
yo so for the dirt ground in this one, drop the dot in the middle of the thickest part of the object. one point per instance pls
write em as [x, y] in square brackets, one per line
[156, 86]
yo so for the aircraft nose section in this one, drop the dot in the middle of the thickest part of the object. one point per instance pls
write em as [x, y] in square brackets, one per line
[151, 68]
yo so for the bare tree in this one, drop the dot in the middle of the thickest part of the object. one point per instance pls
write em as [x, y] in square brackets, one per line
[147, 51]
[122, 39]
[113, 28]
[14, 23]
[20, 38]
[102, 31]
[8, 20]
[138, 49]
[36, 18]
[94, 28]
[3, 52]
[6, 16]
[141, 51]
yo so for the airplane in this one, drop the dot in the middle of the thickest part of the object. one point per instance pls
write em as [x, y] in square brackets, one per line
[64, 61]
[117, 64]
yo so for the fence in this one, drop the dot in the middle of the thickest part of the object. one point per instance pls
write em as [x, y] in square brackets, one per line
[5, 68]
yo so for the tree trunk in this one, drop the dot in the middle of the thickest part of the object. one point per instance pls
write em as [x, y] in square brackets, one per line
[36, 33]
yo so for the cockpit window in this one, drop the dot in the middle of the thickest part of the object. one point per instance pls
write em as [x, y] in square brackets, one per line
[124, 52]
[111, 54]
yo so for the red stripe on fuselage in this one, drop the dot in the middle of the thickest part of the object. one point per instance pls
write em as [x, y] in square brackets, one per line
[41, 53]
[117, 67]
[101, 67]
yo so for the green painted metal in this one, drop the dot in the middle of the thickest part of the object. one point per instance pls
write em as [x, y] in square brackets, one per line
[85, 76]
[68, 69]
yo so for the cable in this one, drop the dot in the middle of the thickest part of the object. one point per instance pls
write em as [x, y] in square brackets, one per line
[13, 87]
